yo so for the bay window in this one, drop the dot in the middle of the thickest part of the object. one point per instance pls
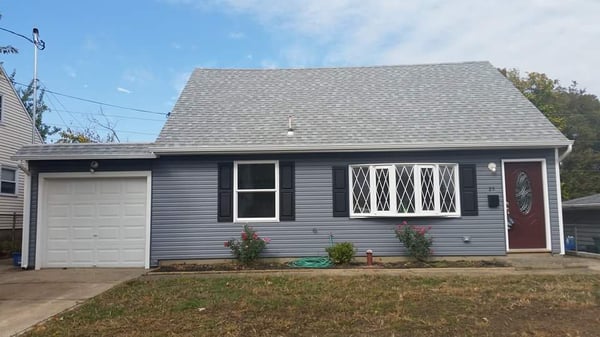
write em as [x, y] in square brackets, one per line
[404, 190]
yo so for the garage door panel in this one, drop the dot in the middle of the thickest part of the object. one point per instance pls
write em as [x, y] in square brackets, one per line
[95, 222]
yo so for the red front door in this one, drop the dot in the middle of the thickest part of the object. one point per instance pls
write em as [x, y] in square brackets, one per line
[525, 205]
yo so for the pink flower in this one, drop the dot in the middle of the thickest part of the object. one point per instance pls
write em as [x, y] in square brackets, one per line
[254, 236]
[244, 236]
[226, 244]
[267, 240]
[404, 223]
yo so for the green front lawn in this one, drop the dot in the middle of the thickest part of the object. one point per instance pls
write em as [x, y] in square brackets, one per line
[370, 305]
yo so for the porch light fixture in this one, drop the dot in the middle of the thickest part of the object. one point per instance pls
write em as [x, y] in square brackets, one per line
[492, 167]
[290, 131]
[94, 166]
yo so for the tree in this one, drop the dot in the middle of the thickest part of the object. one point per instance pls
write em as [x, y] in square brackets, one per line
[26, 95]
[87, 135]
[577, 115]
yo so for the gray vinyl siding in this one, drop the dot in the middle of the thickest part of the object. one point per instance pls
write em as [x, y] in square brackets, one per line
[37, 167]
[184, 212]
[184, 207]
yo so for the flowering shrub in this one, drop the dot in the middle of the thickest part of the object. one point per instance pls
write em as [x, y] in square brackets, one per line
[249, 248]
[415, 239]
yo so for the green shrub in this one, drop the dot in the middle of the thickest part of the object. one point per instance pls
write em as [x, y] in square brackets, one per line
[416, 240]
[341, 253]
[249, 247]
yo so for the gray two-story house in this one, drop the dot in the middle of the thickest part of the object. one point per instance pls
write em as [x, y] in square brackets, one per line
[302, 154]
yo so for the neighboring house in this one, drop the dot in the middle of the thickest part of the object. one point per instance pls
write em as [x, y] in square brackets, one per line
[15, 131]
[582, 221]
[300, 154]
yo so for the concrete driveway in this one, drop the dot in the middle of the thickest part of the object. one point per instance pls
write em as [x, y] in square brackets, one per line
[28, 297]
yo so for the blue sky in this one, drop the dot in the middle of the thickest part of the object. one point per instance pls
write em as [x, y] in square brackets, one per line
[139, 53]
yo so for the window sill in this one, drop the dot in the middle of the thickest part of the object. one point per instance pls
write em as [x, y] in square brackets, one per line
[254, 220]
[358, 216]
[9, 195]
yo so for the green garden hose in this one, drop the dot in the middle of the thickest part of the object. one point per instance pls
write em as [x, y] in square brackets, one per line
[314, 261]
[311, 262]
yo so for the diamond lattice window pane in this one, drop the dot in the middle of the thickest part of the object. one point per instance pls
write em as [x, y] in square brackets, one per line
[382, 189]
[447, 189]
[427, 189]
[405, 188]
[361, 197]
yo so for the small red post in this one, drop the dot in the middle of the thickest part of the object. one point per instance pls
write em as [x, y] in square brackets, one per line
[369, 257]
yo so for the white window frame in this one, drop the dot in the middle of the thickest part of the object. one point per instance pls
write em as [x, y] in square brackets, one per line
[236, 190]
[393, 210]
[7, 167]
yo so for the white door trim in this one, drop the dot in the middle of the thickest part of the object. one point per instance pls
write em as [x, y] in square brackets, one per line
[40, 225]
[546, 201]
[561, 231]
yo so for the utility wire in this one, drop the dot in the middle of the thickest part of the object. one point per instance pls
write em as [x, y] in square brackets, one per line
[99, 102]
[111, 115]
[123, 131]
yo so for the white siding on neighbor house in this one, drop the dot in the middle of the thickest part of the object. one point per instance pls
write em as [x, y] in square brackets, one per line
[15, 131]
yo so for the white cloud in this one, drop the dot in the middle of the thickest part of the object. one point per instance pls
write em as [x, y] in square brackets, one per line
[558, 37]
[269, 64]
[123, 90]
[237, 35]
[176, 45]
[137, 75]
[71, 72]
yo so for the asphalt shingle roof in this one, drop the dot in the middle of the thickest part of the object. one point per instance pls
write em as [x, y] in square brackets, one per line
[84, 151]
[590, 201]
[454, 105]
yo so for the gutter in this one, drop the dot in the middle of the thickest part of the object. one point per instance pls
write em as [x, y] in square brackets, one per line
[315, 148]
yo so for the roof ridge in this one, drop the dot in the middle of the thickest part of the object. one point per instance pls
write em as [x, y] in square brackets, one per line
[346, 67]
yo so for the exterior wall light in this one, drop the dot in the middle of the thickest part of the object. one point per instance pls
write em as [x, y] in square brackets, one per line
[492, 167]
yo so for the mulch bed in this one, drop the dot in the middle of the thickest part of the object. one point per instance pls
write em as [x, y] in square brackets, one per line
[233, 266]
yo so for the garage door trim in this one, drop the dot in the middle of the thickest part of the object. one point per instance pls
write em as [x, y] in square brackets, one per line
[41, 225]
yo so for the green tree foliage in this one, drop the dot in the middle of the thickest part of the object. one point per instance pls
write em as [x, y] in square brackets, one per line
[87, 135]
[26, 95]
[577, 115]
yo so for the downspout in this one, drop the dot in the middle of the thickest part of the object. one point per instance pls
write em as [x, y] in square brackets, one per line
[566, 153]
[26, 216]
[557, 160]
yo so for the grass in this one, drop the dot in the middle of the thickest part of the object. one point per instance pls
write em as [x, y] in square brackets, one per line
[369, 305]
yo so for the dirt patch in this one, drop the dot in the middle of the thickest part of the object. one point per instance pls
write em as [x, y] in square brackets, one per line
[190, 267]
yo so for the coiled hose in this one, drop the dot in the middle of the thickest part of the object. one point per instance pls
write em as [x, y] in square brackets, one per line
[311, 262]
[314, 261]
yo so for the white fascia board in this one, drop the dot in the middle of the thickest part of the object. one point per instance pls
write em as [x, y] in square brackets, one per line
[83, 156]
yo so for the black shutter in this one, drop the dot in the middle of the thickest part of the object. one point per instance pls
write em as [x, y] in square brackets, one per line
[287, 198]
[340, 191]
[468, 189]
[225, 193]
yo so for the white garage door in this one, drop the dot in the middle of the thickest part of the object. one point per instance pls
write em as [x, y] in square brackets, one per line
[94, 222]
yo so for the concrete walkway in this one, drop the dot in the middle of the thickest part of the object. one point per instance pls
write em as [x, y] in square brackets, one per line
[28, 297]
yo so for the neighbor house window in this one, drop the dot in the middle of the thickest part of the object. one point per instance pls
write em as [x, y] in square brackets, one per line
[256, 185]
[8, 181]
[1, 108]
[404, 190]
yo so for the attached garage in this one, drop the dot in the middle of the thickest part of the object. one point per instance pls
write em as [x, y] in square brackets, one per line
[97, 219]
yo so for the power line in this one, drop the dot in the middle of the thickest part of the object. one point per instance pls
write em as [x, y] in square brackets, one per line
[124, 131]
[111, 115]
[99, 102]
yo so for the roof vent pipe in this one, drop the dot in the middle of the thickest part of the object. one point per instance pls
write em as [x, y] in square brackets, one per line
[290, 131]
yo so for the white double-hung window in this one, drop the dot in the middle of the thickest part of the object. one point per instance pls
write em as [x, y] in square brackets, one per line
[404, 190]
[256, 187]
